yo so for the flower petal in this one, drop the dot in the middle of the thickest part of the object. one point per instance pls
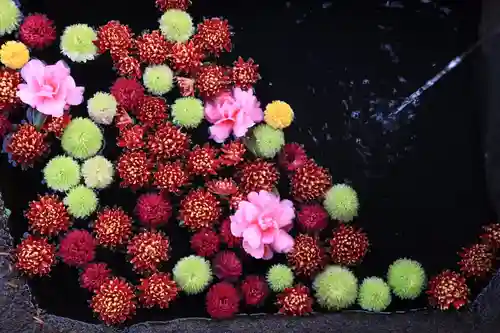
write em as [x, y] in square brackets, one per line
[257, 253]
[283, 242]
[252, 236]
[221, 130]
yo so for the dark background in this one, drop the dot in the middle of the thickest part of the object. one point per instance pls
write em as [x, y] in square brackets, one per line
[340, 65]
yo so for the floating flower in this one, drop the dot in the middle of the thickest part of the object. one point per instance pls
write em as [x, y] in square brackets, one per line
[263, 221]
[165, 5]
[77, 248]
[258, 176]
[114, 301]
[222, 301]
[56, 125]
[187, 112]
[227, 266]
[205, 243]
[279, 277]
[147, 250]
[295, 301]
[157, 290]
[114, 37]
[476, 261]
[5, 125]
[267, 141]
[168, 142]
[37, 31]
[202, 161]
[94, 275]
[292, 157]
[152, 48]
[98, 172]
[10, 15]
[131, 137]
[102, 108]
[151, 111]
[336, 288]
[374, 295]
[133, 169]
[14, 54]
[128, 92]
[186, 58]
[47, 216]
[192, 274]
[185, 85]
[127, 65]
[153, 210]
[312, 218]
[254, 289]
[306, 257]
[214, 36]
[212, 80]
[348, 245]
[278, 114]
[341, 202]
[82, 138]
[448, 289]
[222, 187]
[199, 209]
[158, 79]
[227, 237]
[9, 81]
[61, 173]
[35, 256]
[310, 182]
[176, 25]
[112, 227]
[27, 145]
[78, 43]
[244, 74]
[407, 278]
[234, 113]
[170, 177]
[81, 201]
[491, 236]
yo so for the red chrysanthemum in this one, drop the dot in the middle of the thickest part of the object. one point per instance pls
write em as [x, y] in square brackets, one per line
[310, 182]
[9, 80]
[295, 301]
[131, 137]
[27, 145]
[257, 176]
[185, 85]
[235, 200]
[222, 301]
[134, 169]
[186, 57]
[205, 243]
[148, 249]
[213, 36]
[5, 125]
[77, 248]
[56, 125]
[114, 302]
[202, 161]
[232, 153]
[244, 74]
[128, 92]
[307, 256]
[292, 156]
[348, 245]
[476, 261]
[448, 289]
[47, 216]
[122, 119]
[94, 275]
[199, 209]
[114, 37]
[211, 80]
[491, 235]
[151, 110]
[168, 142]
[222, 186]
[165, 5]
[312, 218]
[254, 289]
[37, 31]
[157, 290]
[227, 236]
[35, 256]
[153, 210]
[227, 266]
[170, 177]
[127, 65]
[113, 227]
[152, 48]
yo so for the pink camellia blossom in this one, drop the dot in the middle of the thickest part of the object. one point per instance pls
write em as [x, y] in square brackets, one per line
[233, 113]
[49, 89]
[263, 221]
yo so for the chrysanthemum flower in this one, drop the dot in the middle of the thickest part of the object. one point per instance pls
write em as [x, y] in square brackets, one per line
[14, 54]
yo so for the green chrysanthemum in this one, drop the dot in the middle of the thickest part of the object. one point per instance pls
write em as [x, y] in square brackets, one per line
[176, 25]
[341, 202]
[102, 108]
[81, 201]
[280, 277]
[158, 79]
[192, 274]
[187, 112]
[61, 173]
[97, 172]
[10, 16]
[77, 43]
[374, 294]
[336, 288]
[82, 138]
[267, 141]
[407, 278]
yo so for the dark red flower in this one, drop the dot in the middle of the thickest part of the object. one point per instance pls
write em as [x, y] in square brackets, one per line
[153, 210]
[292, 156]
[113, 227]
[227, 266]
[312, 218]
[348, 245]
[131, 137]
[170, 177]
[56, 125]
[295, 301]
[168, 142]
[254, 290]
[114, 302]
[152, 48]
[201, 161]
[122, 118]
[157, 290]
[232, 153]
[27, 145]
[491, 235]
[186, 86]
[5, 125]
[77, 248]
[235, 200]
[214, 36]
[222, 301]
[205, 243]
[9, 80]
[35, 256]
[94, 275]
[222, 186]
[151, 111]
[134, 169]
[476, 261]
[114, 36]
[307, 257]
[165, 5]
[128, 92]
[47, 216]
[244, 74]
[227, 237]
[310, 182]
[37, 31]
[199, 209]
[448, 289]
[148, 249]
[127, 65]
[212, 80]
[186, 58]
[258, 176]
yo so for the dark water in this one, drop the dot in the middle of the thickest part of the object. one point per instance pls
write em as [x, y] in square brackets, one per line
[345, 67]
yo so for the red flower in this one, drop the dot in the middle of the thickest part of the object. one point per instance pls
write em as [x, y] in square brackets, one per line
[151, 111]
[165, 5]
[258, 175]
[114, 302]
[222, 301]
[9, 80]
[199, 209]
[235, 200]
[35, 256]
[122, 118]
[186, 86]
[170, 177]
[491, 236]
[448, 289]
[244, 74]
[56, 125]
[292, 156]
[131, 137]
[227, 266]
[223, 187]
[214, 36]
[77, 248]
[312, 218]
[153, 210]
[295, 301]
[157, 290]
[226, 235]
[232, 153]
[186, 58]
[348, 245]
[94, 275]
[205, 243]
[114, 36]
[113, 227]
[148, 249]
[37, 31]
[212, 80]
[127, 65]
[47, 216]
[307, 256]
[128, 92]
[202, 161]
[5, 125]
[134, 169]
[152, 48]
[254, 290]
[168, 142]
[310, 182]
[476, 261]
[27, 145]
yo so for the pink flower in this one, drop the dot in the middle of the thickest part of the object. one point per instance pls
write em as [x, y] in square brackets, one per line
[49, 88]
[264, 221]
[233, 113]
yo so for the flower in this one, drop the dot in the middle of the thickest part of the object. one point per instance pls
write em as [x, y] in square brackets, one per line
[82, 138]
[278, 114]
[341, 202]
[14, 54]
[185, 85]
[307, 257]
[254, 289]
[310, 182]
[49, 88]
[47, 216]
[102, 108]
[165, 5]
[168, 142]
[147, 250]
[81, 201]
[222, 301]
[187, 112]
[78, 43]
[131, 137]
[114, 301]
[476, 261]
[27, 145]
[205, 243]
[244, 74]
[279, 277]
[227, 237]
[97, 172]
[491, 236]
[61, 173]
[292, 156]
[234, 113]
[134, 169]
[176, 25]
[9, 80]
[112, 227]
[94, 275]
[35, 256]
[348, 245]
[336, 288]
[374, 294]
[157, 290]
[212, 80]
[77, 248]
[192, 274]
[10, 15]
[231, 153]
[267, 141]
[152, 48]
[186, 58]
[56, 125]
[114, 37]
[448, 289]
[312, 218]
[263, 221]
[151, 111]
[257, 175]
[5, 125]
[213, 36]
[128, 92]
[407, 278]
[227, 266]
[202, 161]
[222, 186]
[37, 31]
[158, 79]
[170, 177]
[153, 210]
[295, 301]
[199, 209]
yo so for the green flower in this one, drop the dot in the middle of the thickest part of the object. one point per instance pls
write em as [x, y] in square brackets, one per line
[336, 288]
[97, 172]
[77, 43]
[10, 16]
[176, 25]
[374, 294]
[267, 141]
[187, 112]
[61, 173]
[280, 277]
[102, 108]
[407, 278]
[341, 202]
[82, 138]
[192, 274]
[81, 201]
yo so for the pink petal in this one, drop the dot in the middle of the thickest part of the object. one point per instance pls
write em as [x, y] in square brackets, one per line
[249, 210]
[26, 95]
[238, 225]
[74, 94]
[220, 131]
[252, 236]
[268, 235]
[242, 124]
[57, 72]
[212, 113]
[33, 72]
[52, 107]
[283, 242]
[257, 253]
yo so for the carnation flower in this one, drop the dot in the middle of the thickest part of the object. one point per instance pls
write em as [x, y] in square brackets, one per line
[77, 43]
[47, 216]
[254, 289]
[112, 227]
[94, 275]
[148, 249]
[295, 301]
[35, 256]
[128, 92]
[176, 25]
[14, 54]
[157, 290]
[153, 210]
[37, 31]
[114, 301]
[199, 209]
[102, 108]
[205, 243]
[227, 266]
[222, 301]
[77, 248]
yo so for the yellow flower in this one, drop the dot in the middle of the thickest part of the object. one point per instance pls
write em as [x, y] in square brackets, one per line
[14, 54]
[278, 114]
